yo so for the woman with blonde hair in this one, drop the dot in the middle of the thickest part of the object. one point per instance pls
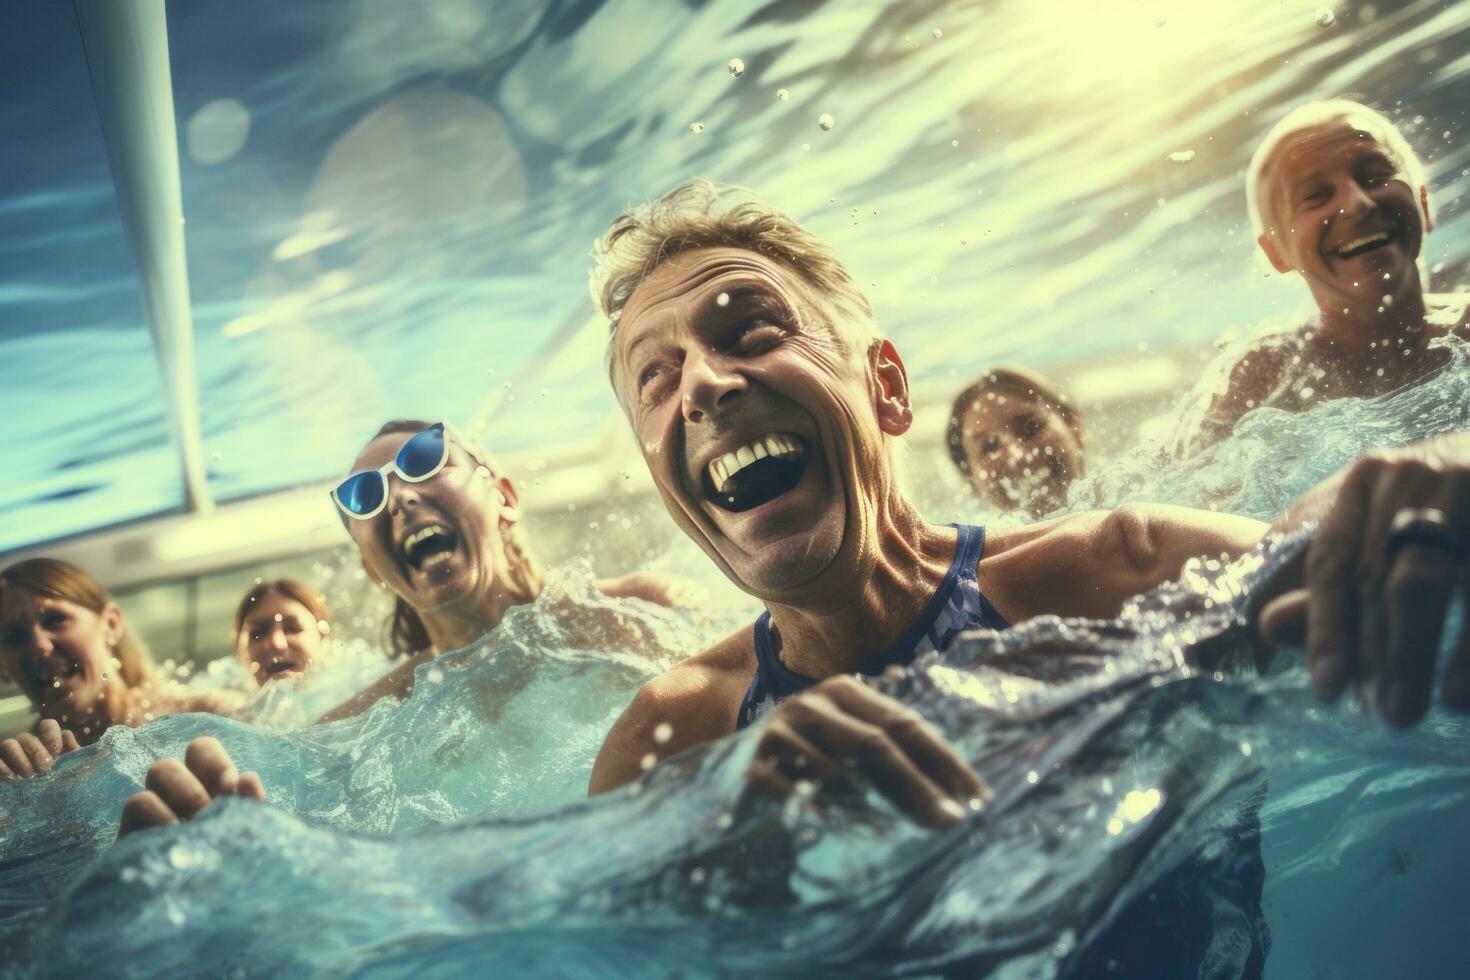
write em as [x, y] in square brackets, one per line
[65, 643]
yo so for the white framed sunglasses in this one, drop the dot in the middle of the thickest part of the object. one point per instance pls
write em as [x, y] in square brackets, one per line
[364, 494]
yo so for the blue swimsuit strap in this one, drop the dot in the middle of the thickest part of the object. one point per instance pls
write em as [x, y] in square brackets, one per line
[773, 679]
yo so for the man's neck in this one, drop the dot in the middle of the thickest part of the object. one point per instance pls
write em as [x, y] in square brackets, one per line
[1362, 330]
[853, 631]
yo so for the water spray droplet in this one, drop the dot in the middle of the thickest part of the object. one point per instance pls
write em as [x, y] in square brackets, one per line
[826, 122]
[663, 733]
[722, 300]
[1182, 156]
[938, 33]
[782, 95]
[1325, 17]
[737, 67]
[696, 127]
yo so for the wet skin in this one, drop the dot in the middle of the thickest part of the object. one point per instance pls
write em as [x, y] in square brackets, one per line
[60, 655]
[1005, 436]
[698, 378]
[1331, 186]
[463, 587]
[279, 638]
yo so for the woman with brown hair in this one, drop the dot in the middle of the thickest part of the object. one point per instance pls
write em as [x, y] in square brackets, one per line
[282, 630]
[65, 644]
[439, 530]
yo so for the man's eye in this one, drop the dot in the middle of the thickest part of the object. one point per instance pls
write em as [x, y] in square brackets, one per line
[53, 620]
[758, 333]
[648, 375]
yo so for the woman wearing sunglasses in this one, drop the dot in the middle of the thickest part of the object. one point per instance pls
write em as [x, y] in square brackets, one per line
[65, 644]
[440, 530]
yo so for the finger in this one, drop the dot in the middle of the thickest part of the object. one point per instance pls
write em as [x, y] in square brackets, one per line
[873, 753]
[49, 733]
[1331, 575]
[144, 810]
[1417, 595]
[69, 741]
[6, 772]
[36, 749]
[178, 788]
[251, 786]
[16, 759]
[766, 779]
[1283, 620]
[211, 765]
[918, 740]
[784, 749]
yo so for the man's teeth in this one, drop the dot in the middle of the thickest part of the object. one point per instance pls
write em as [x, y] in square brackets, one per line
[722, 468]
[1357, 243]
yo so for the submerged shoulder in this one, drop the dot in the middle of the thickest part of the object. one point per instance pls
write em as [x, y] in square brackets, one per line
[397, 683]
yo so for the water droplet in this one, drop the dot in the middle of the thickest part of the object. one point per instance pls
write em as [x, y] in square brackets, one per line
[56, 683]
[1325, 17]
[696, 127]
[737, 67]
[648, 762]
[938, 33]
[1032, 777]
[104, 675]
[434, 675]
[782, 95]
[806, 147]
[663, 733]
[1182, 156]
[279, 618]
[1387, 300]
[826, 121]
[954, 142]
[1306, 393]
[216, 456]
[1245, 748]
[722, 300]
[724, 821]
[697, 876]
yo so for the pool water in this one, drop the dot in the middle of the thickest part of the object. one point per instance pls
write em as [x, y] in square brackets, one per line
[450, 831]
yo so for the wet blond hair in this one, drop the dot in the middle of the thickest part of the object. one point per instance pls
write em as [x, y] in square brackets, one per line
[57, 579]
[407, 633]
[704, 214]
[1310, 116]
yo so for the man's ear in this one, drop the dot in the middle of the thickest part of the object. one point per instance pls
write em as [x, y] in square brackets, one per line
[1424, 206]
[1273, 254]
[510, 501]
[894, 414]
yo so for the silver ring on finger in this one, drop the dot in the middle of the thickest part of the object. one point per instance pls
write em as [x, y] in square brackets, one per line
[1427, 526]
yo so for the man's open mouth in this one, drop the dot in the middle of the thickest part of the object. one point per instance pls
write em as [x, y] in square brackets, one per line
[1361, 244]
[757, 472]
[423, 544]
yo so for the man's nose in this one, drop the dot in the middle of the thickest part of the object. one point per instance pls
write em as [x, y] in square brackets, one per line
[709, 386]
[1355, 200]
[278, 637]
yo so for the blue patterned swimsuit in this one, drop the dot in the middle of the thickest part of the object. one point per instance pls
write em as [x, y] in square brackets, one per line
[958, 605]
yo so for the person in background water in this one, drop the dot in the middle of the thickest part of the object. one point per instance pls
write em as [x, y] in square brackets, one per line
[440, 530]
[65, 643]
[1017, 441]
[282, 629]
[1337, 195]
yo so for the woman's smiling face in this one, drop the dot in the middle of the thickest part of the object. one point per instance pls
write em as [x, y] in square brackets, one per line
[58, 652]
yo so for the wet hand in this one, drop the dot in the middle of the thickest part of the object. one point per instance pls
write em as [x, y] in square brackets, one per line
[29, 755]
[179, 790]
[842, 728]
[1378, 578]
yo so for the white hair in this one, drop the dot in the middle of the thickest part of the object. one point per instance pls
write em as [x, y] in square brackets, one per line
[1315, 114]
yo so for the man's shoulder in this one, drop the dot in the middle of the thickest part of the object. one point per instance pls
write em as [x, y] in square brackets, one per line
[694, 702]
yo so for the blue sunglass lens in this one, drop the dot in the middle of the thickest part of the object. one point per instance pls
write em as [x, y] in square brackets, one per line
[421, 454]
[361, 493]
